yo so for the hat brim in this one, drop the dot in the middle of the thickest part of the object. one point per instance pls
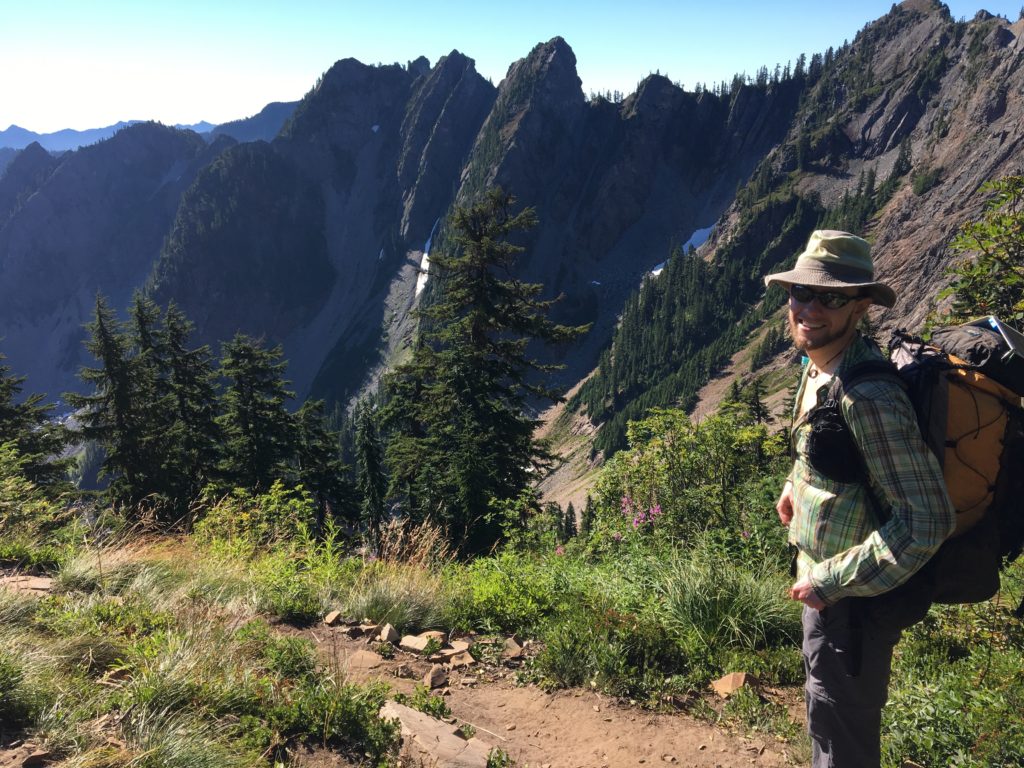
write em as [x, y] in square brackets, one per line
[880, 293]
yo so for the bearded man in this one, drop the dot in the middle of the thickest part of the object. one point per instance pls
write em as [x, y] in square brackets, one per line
[864, 512]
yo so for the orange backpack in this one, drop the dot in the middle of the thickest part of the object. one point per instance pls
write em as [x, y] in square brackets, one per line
[965, 385]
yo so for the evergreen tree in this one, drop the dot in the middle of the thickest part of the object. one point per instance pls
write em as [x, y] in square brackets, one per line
[461, 439]
[113, 414]
[588, 517]
[259, 433]
[37, 439]
[371, 483]
[193, 437]
[320, 467]
[570, 522]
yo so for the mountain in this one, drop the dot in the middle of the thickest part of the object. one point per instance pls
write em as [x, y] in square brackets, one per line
[15, 137]
[314, 234]
[90, 221]
[263, 126]
[894, 137]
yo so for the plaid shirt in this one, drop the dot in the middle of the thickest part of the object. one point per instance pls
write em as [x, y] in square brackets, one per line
[842, 546]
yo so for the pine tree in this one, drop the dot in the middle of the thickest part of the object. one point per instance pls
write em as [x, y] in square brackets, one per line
[588, 517]
[259, 433]
[193, 437]
[371, 483]
[113, 415]
[570, 522]
[320, 467]
[37, 439]
[461, 439]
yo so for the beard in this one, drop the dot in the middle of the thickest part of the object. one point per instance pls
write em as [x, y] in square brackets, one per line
[810, 344]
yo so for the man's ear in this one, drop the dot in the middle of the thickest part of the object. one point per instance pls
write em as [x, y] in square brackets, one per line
[862, 307]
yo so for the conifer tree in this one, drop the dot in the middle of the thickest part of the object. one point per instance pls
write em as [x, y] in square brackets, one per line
[37, 439]
[320, 467]
[570, 522]
[193, 436]
[112, 415]
[259, 433]
[371, 483]
[461, 440]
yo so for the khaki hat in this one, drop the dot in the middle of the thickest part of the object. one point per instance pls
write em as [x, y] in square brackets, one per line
[834, 259]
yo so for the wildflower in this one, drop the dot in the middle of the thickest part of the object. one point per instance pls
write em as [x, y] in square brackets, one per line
[559, 550]
[617, 536]
[745, 534]
[654, 512]
[627, 507]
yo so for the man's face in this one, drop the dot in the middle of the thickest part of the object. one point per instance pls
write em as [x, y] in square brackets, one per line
[815, 326]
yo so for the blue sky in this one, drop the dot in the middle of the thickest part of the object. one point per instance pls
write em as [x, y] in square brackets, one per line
[71, 64]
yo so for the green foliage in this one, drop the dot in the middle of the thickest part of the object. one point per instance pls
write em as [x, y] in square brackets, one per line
[407, 596]
[258, 431]
[679, 478]
[370, 479]
[712, 604]
[957, 691]
[619, 653]
[989, 279]
[26, 424]
[459, 438]
[925, 179]
[249, 519]
[423, 700]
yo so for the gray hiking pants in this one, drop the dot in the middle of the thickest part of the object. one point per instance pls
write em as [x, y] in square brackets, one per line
[847, 659]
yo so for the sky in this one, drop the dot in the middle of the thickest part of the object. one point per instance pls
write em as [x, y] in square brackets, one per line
[74, 64]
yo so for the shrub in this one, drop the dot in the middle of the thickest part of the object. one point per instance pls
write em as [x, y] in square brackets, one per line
[408, 596]
[620, 653]
[249, 520]
[712, 604]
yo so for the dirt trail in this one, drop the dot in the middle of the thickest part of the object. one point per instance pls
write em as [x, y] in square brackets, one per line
[565, 729]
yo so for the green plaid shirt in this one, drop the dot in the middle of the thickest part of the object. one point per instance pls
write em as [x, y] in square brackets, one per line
[842, 546]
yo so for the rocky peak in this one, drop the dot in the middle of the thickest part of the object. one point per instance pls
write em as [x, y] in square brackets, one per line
[547, 74]
[23, 176]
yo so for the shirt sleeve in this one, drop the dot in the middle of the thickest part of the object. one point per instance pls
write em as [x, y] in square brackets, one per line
[906, 479]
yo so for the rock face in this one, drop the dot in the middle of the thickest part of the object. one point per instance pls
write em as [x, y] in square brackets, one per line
[314, 240]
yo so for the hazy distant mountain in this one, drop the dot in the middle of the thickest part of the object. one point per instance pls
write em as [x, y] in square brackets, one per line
[16, 137]
[263, 126]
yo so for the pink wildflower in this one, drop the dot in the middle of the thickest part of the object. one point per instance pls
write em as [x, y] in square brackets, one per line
[559, 550]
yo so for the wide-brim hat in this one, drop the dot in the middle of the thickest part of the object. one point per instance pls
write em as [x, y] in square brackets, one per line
[834, 259]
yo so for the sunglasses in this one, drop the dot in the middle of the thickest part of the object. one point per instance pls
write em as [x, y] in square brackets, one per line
[827, 299]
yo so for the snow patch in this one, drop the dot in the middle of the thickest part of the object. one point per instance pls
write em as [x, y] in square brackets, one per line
[698, 238]
[421, 280]
[375, 129]
[380, 256]
[658, 269]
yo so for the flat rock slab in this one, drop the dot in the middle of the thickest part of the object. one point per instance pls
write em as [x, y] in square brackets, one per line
[363, 660]
[433, 742]
[37, 585]
[24, 756]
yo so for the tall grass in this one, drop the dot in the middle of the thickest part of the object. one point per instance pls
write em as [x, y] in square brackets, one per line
[711, 603]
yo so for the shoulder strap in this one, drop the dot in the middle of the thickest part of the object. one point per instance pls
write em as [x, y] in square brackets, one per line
[868, 369]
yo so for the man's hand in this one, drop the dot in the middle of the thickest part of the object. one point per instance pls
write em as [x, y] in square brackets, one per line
[785, 504]
[804, 592]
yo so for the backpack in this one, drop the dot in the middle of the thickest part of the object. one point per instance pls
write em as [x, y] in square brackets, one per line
[965, 386]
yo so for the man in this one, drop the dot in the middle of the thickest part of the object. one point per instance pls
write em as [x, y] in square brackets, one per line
[863, 514]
